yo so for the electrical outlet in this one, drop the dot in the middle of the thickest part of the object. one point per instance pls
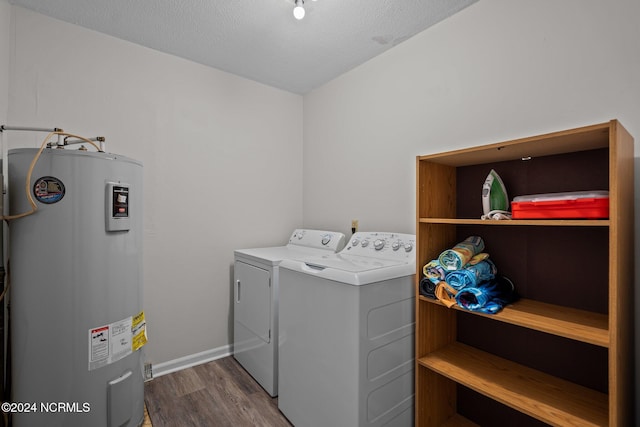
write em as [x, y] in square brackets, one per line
[354, 225]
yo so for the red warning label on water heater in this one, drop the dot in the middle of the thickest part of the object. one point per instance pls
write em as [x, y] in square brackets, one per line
[48, 190]
[99, 339]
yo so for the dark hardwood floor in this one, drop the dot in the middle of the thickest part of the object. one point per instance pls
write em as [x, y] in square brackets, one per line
[218, 393]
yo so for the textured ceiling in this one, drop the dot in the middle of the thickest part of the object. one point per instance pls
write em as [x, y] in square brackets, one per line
[259, 39]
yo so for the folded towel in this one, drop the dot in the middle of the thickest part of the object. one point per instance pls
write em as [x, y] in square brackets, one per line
[477, 258]
[488, 297]
[471, 275]
[446, 294]
[428, 288]
[434, 271]
[461, 254]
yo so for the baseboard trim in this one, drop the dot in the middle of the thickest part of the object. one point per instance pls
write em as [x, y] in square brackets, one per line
[191, 360]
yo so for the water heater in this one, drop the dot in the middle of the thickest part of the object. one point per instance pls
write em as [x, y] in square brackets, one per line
[76, 318]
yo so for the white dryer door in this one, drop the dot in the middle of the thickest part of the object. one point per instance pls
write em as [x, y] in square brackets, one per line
[253, 299]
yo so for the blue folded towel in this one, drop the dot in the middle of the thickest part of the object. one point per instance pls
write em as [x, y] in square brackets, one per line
[461, 254]
[488, 297]
[471, 275]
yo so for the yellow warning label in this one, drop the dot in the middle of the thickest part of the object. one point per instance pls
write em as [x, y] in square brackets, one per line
[138, 331]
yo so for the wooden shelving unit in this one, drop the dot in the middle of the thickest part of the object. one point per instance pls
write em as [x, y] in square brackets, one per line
[561, 354]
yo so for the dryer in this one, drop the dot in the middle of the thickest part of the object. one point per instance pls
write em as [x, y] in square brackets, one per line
[256, 292]
[346, 334]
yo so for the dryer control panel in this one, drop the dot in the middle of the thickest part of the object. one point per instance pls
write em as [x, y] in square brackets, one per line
[382, 245]
[317, 239]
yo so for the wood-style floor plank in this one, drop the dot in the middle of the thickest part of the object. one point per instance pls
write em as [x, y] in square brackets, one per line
[219, 393]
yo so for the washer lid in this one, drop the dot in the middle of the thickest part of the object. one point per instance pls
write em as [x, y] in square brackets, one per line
[350, 263]
[350, 269]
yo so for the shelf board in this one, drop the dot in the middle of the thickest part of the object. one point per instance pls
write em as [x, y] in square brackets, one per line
[579, 325]
[568, 141]
[512, 222]
[459, 421]
[542, 396]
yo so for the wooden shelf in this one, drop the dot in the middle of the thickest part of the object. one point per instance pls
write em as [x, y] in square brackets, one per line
[582, 269]
[568, 141]
[579, 325]
[539, 395]
[459, 421]
[514, 222]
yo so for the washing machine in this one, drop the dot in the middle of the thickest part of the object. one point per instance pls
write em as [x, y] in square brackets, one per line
[346, 334]
[255, 313]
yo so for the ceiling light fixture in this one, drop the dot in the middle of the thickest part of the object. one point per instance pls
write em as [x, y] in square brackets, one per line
[298, 11]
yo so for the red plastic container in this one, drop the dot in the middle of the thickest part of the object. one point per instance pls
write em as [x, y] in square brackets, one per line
[572, 205]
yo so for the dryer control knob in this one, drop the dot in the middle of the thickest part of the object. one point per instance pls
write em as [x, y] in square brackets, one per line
[408, 247]
[364, 243]
[326, 239]
[355, 242]
[378, 244]
[395, 245]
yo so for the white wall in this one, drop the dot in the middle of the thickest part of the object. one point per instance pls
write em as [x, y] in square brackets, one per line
[222, 162]
[5, 48]
[498, 70]
[5, 25]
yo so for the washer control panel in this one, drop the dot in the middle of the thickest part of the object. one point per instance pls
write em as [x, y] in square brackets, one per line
[382, 245]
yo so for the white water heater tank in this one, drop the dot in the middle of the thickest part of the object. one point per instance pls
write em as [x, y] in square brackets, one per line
[76, 317]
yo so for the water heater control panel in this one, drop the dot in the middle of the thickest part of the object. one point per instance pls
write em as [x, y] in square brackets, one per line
[117, 206]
